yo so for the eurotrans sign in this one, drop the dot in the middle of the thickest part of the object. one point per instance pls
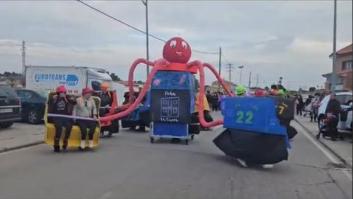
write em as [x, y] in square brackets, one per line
[66, 79]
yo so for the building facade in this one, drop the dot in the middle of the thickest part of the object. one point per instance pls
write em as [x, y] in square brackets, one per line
[343, 69]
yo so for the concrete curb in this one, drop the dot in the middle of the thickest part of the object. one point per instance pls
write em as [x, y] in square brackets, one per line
[21, 146]
[338, 156]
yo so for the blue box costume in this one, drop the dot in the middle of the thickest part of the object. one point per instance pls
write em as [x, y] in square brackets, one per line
[254, 131]
[172, 99]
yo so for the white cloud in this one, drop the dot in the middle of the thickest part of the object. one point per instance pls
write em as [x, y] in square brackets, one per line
[272, 38]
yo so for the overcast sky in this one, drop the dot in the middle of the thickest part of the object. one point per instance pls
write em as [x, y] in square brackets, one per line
[292, 39]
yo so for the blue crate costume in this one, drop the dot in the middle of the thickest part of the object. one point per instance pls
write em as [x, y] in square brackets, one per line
[253, 130]
[172, 104]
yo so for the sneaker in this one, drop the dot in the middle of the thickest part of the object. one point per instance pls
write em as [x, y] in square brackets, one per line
[83, 144]
[267, 166]
[242, 163]
[90, 144]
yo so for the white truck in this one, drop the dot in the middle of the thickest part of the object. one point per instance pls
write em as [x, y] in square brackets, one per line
[75, 78]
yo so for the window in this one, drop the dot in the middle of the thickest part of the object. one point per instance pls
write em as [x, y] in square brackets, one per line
[347, 65]
[24, 94]
[7, 91]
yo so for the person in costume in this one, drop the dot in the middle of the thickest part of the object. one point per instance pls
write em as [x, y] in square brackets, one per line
[62, 105]
[86, 108]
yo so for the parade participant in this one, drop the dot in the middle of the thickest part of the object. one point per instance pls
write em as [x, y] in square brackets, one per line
[281, 93]
[106, 99]
[274, 90]
[240, 90]
[206, 105]
[61, 104]
[86, 107]
[260, 93]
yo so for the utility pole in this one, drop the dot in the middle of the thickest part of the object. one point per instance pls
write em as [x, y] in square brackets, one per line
[23, 54]
[220, 61]
[241, 70]
[230, 69]
[23, 57]
[145, 2]
[333, 75]
[249, 85]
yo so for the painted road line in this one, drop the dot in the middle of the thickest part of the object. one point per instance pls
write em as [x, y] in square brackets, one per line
[325, 151]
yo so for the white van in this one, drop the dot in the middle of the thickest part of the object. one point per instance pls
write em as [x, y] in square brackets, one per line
[75, 78]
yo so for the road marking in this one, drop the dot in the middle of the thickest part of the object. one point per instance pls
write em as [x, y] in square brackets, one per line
[331, 157]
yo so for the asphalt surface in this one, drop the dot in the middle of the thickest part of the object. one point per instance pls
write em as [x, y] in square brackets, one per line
[128, 166]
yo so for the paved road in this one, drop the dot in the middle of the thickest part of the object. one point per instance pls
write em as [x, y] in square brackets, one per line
[129, 167]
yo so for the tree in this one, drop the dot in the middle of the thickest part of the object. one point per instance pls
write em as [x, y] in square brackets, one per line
[114, 77]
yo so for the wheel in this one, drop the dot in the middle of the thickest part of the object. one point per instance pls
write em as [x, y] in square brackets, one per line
[110, 134]
[152, 140]
[33, 117]
[318, 136]
[186, 142]
[115, 126]
[5, 125]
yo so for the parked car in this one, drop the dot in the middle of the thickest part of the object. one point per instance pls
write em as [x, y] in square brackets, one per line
[345, 119]
[10, 106]
[33, 105]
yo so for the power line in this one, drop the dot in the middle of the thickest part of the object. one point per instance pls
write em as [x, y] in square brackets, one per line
[137, 29]
[120, 21]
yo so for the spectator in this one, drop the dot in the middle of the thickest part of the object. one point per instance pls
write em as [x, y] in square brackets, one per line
[299, 105]
[333, 110]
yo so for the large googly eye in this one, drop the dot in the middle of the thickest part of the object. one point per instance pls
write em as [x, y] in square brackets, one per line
[184, 44]
[173, 43]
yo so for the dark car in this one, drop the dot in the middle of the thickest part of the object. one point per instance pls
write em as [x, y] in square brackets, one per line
[33, 105]
[10, 106]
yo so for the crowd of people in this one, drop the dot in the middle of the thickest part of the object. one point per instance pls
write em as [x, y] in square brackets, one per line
[310, 106]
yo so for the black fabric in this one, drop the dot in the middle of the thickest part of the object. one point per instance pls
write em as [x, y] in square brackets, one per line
[60, 106]
[194, 126]
[126, 123]
[291, 131]
[145, 117]
[332, 128]
[59, 124]
[344, 116]
[84, 125]
[170, 106]
[106, 99]
[284, 109]
[207, 116]
[333, 107]
[253, 148]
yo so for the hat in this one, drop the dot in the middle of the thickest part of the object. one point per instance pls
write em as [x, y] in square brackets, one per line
[240, 90]
[86, 91]
[61, 89]
[260, 93]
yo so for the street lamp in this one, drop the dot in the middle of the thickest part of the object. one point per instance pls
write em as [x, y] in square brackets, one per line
[241, 70]
[145, 2]
[333, 76]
